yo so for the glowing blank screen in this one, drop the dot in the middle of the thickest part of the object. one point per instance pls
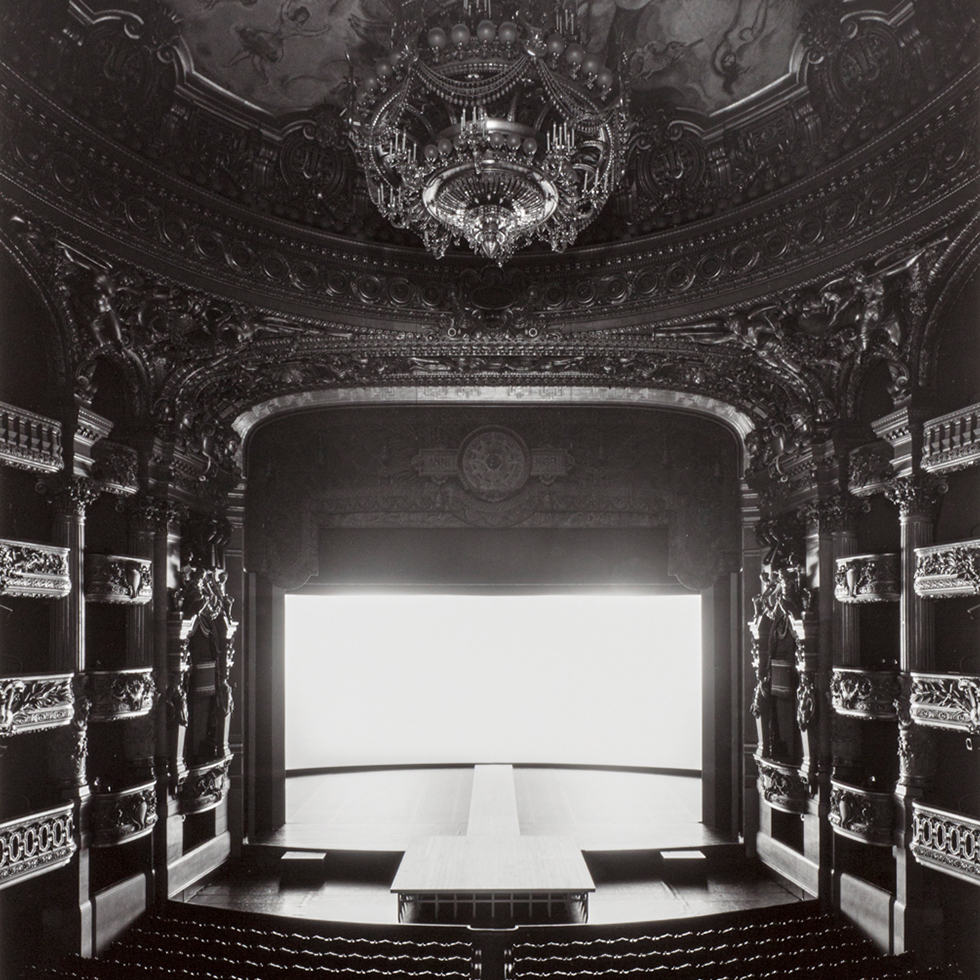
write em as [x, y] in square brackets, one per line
[422, 679]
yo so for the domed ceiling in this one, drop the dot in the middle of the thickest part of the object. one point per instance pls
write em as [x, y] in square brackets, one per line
[289, 55]
[801, 185]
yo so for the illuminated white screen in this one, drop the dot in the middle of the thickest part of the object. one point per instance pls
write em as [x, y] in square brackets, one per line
[421, 679]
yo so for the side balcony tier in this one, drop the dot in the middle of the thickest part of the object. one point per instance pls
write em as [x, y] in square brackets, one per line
[32, 703]
[29, 441]
[943, 571]
[868, 578]
[865, 693]
[115, 818]
[950, 701]
[952, 441]
[36, 843]
[783, 787]
[948, 842]
[118, 579]
[121, 694]
[203, 787]
[33, 571]
[861, 814]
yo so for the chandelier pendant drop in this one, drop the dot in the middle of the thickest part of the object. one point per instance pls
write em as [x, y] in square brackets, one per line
[488, 121]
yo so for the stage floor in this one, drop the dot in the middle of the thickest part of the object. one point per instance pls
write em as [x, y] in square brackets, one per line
[384, 810]
[369, 813]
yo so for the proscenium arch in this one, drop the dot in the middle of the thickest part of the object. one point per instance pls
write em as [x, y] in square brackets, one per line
[721, 684]
[545, 396]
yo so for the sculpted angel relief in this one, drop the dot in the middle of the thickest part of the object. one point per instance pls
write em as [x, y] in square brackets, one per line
[285, 55]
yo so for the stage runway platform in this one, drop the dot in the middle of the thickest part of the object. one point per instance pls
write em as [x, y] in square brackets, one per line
[385, 810]
[365, 821]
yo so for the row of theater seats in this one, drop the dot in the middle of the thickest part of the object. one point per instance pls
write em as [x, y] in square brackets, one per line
[792, 942]
[192, 946]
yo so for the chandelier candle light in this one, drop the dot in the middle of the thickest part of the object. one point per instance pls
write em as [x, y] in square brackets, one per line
[489, 121]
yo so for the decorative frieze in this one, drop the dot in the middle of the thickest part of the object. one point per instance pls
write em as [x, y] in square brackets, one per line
[36, 843]
[861, 814]
[118, 694]
[118, 817]
[948, 842]
[950, 701]
[782, 786]
[29, 441]
[203, 787]
[946, 570]
[952, 442]
[864, 693]
[869, 468]
[37, 571]
[868, 578]
[31, 704]
[118, 579]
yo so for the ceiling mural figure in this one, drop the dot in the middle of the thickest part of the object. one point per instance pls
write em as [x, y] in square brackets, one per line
[290, 55]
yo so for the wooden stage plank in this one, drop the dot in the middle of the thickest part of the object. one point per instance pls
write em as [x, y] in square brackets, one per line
[493, 803]
[492, 864]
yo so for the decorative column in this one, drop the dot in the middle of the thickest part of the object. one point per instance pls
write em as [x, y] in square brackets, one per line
[71, 496]
[751, 616]
[162, 518]
[234, 565]
[918, 917]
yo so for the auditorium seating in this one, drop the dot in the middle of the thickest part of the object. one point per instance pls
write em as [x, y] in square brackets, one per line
[796, 942]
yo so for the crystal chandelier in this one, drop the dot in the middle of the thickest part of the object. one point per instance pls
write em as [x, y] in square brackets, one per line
[488, 121]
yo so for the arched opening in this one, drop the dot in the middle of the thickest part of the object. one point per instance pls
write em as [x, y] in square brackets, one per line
[362, 500]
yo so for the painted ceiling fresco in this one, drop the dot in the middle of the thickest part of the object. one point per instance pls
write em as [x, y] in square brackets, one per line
[288, 55]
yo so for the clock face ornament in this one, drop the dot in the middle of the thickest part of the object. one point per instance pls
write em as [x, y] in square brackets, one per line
[494, 463]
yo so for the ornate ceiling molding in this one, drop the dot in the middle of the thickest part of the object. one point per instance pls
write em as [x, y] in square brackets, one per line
[130, 75]
[881, 193]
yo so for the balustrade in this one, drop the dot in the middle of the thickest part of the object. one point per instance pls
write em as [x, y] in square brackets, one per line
[29, 441]
[119, 694]
[118, 579]
[861, 814]
[868, 578]
[783, 787]
[34, 571]
[36, 702]
[123, 816]
[950, 701]
[865, 693]
[952, 442]
[948, 842]
[946, 570]
[203, 787]
[36, 843]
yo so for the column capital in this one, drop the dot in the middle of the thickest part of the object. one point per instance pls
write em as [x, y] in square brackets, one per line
[837, 514]
[917, 495]
[71, 495]
[155, 513]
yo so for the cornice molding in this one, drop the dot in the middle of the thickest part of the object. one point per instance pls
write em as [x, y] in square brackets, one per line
[802, 232]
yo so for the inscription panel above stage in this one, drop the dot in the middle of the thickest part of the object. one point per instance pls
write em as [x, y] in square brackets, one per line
[492, 864]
